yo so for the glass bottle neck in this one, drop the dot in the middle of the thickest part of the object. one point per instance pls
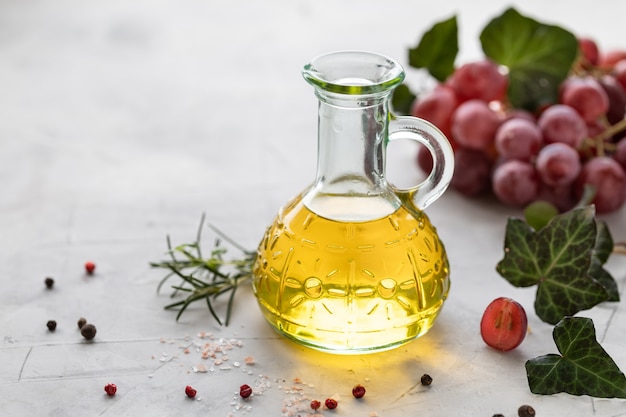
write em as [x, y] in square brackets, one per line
[350, 147]
[352, 131]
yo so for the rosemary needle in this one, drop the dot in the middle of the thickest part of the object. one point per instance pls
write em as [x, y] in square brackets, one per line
[205, 278]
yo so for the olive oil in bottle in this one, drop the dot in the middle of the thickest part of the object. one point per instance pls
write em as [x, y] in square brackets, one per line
[351, 286]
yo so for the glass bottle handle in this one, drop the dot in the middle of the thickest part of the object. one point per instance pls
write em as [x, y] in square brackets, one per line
[424, 132]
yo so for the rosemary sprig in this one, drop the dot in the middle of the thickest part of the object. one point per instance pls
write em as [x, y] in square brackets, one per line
[205, 278]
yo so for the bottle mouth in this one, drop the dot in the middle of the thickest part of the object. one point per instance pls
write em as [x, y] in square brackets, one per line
[353, 73]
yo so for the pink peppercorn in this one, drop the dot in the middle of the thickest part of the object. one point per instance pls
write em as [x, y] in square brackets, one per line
[190, 391]
[110, 389]
[245, 391]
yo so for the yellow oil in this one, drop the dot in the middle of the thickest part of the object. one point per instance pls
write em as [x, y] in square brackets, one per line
[350, 287]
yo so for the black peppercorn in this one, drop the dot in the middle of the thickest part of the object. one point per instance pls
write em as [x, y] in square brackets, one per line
[88, 331]
[426, 379]
[49, 282]
[52, 325]
[81, 322]
[526, 411]
[498, 415]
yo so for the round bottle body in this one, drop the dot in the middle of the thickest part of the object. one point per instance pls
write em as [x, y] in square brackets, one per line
[350, 286]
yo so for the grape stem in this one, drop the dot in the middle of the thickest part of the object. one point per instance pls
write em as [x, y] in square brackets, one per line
[612, 130]
[600, 141]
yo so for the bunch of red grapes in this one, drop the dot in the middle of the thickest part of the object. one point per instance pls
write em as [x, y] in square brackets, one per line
[549, 154]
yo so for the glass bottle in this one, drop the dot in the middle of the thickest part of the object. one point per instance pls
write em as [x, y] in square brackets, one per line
[352, 264]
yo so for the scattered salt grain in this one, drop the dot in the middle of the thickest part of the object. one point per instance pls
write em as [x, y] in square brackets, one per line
[200, 368]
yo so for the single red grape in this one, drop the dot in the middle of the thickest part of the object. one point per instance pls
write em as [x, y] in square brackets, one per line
[562, 196]
[480, 80]
[474, 125]
[589, 49]
[558, 164]
[617, 97]
[518, 138]
[515, 183]
[472, 172]
[608, 179]
[586, 96]
[504, 324]
[561, 123]
[437, 107]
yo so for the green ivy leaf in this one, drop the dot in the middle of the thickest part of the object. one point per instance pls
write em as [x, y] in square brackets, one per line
[604, 278]
[437, 49]
[557, 259]
[402, 100]
[538, 56]
[600, 254]
[583, 368]
[604, 243]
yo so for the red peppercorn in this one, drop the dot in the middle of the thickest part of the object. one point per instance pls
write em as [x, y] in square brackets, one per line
[330, 403]
[245, 391]
[315, 404]
[358, 391]
[110, 389]
[90, 267]
[190, 391]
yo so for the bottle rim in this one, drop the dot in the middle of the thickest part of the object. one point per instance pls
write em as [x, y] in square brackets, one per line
[353, 73]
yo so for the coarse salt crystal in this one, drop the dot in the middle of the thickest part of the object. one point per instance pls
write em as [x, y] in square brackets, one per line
[200, 368]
